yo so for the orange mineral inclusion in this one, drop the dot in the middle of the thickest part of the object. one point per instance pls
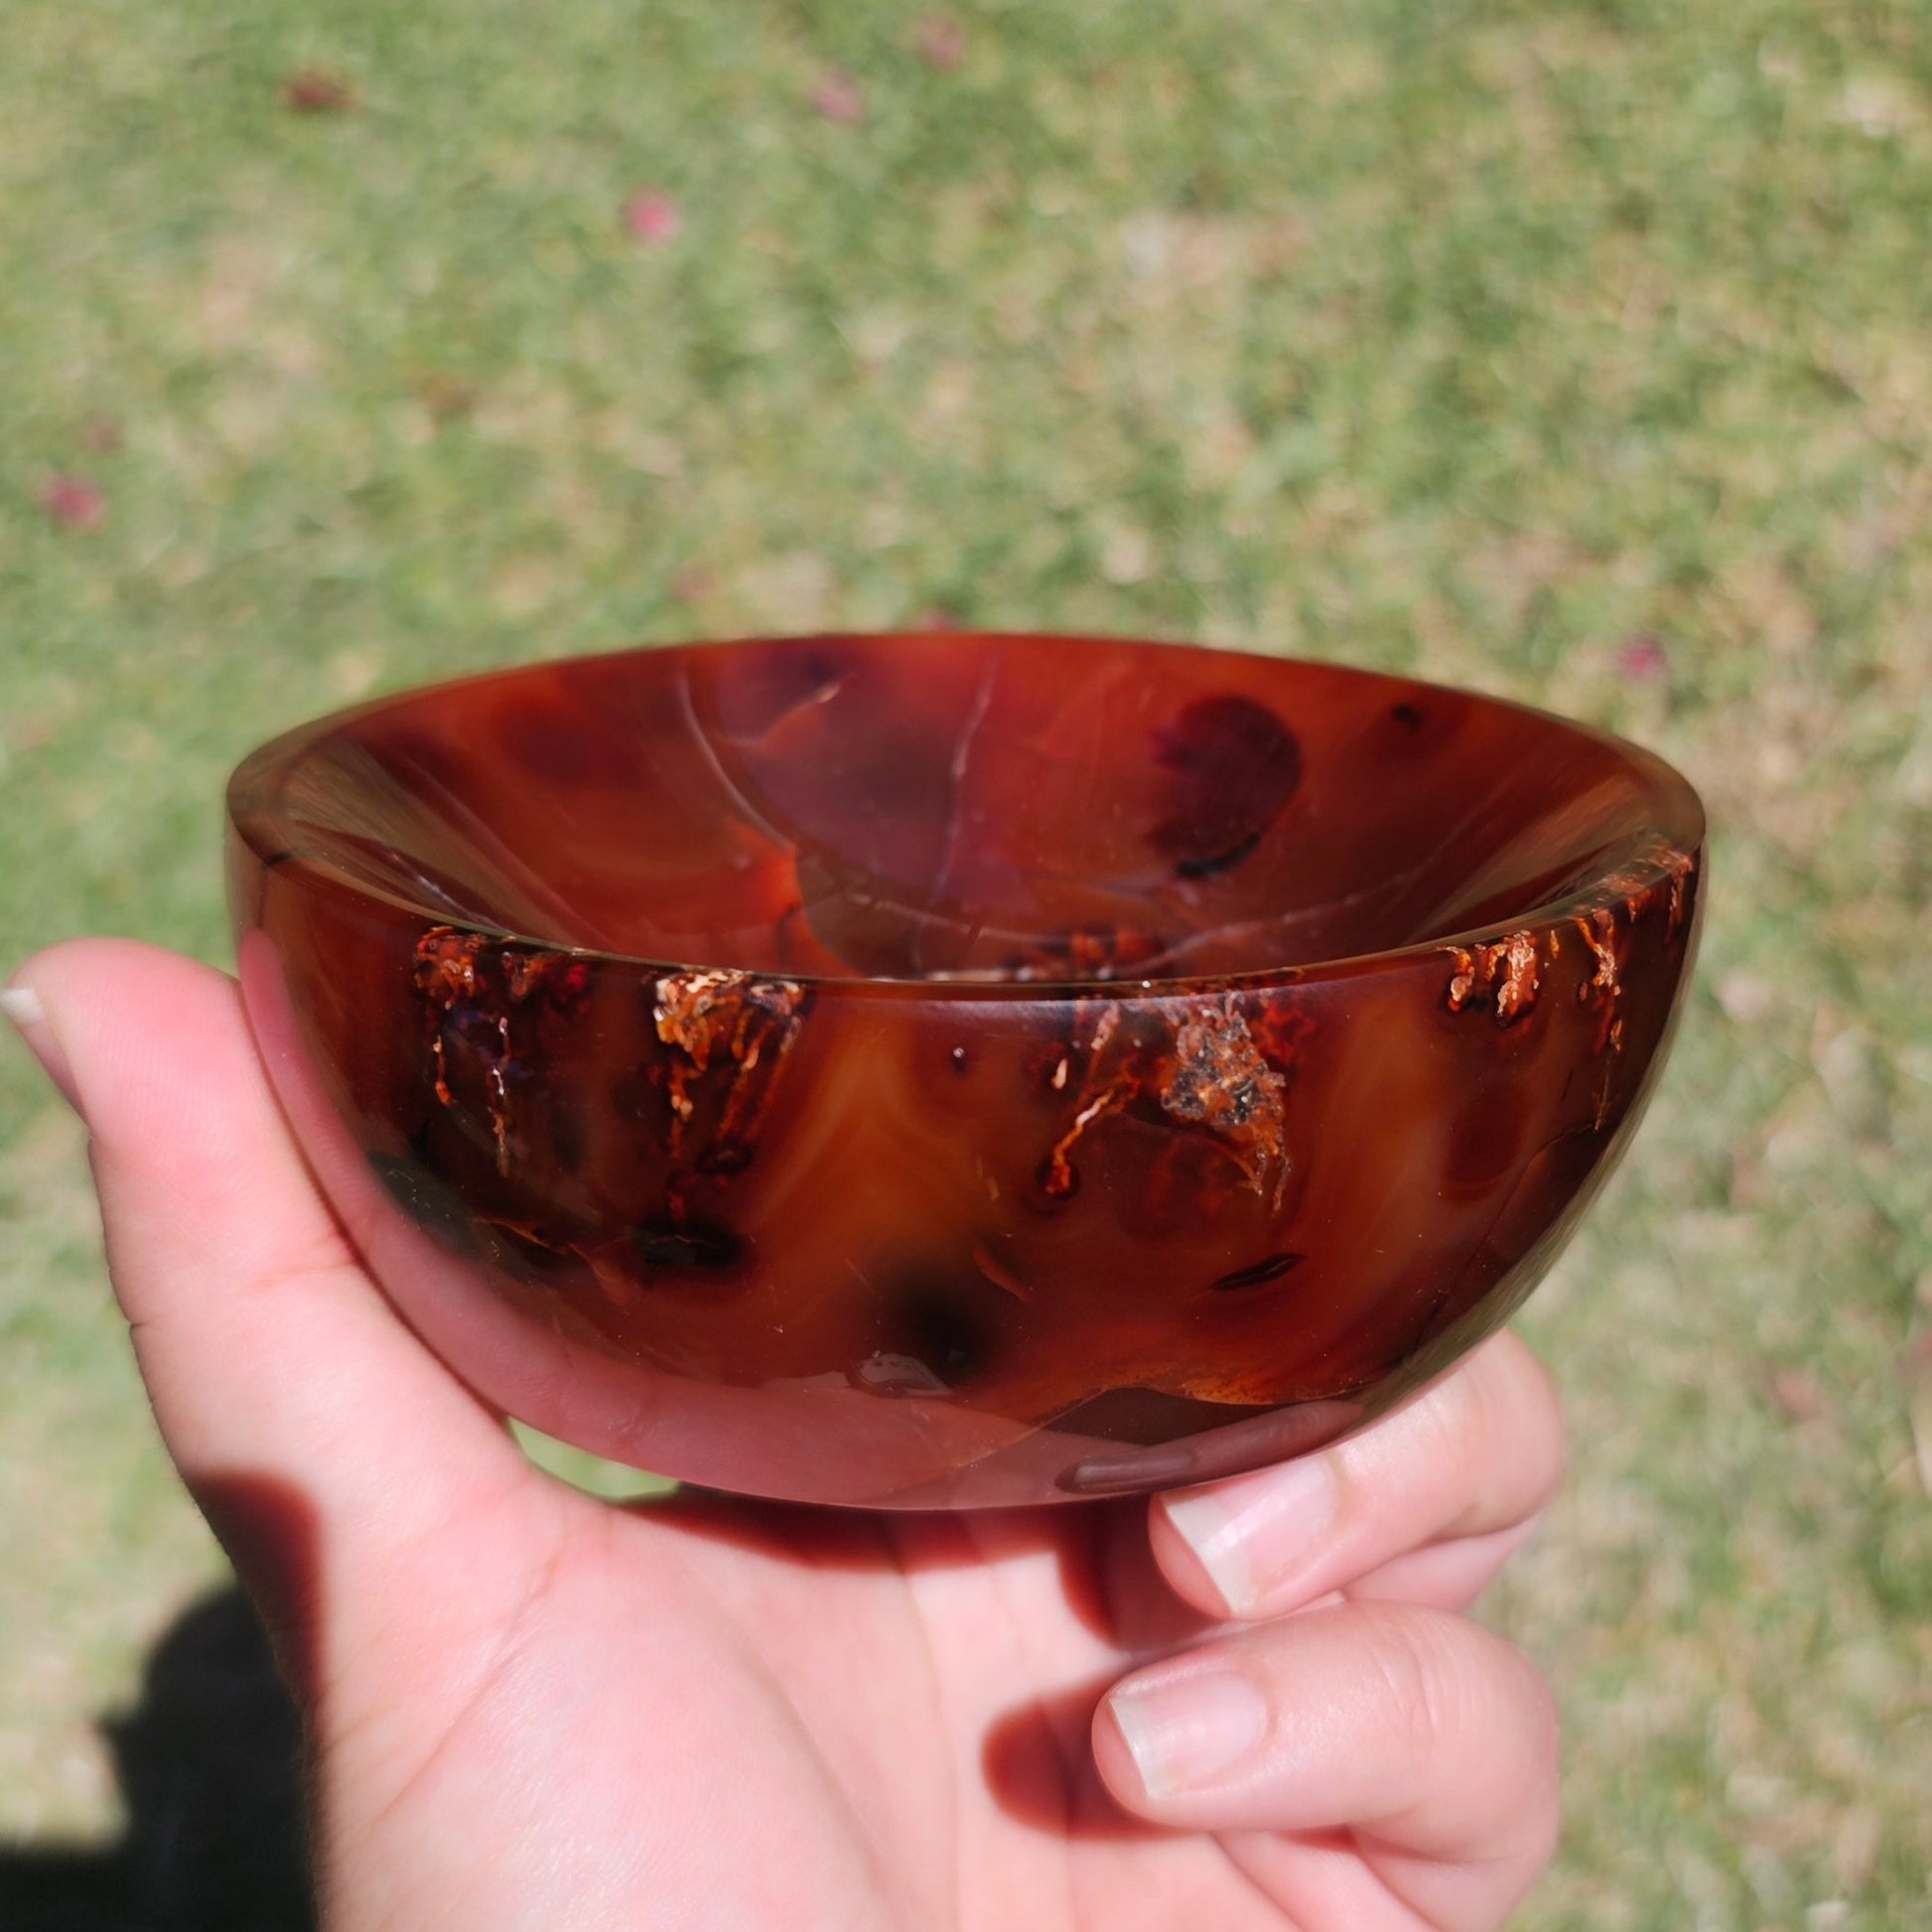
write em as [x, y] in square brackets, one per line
[956, 1069]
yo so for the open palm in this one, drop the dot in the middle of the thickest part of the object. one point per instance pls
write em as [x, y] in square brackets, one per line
[1251, 1705]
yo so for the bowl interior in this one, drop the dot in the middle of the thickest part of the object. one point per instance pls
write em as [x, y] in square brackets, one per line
[978, 808]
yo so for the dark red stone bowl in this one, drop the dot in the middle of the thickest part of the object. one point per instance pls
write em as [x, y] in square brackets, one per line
[947, 1070]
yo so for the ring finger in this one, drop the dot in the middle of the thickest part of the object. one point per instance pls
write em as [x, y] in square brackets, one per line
[1423, 1506]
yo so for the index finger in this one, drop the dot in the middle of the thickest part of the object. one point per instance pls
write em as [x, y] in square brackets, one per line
[296, 1403]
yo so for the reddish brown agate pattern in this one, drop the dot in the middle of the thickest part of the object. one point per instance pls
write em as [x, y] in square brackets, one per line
[958, 1070]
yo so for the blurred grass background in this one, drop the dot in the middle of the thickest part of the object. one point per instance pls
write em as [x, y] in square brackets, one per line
[1577, 350]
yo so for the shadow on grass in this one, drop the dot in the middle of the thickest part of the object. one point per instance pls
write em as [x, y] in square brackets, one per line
[208, 1768]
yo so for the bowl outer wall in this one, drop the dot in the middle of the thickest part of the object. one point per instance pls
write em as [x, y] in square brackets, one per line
[892, 1341]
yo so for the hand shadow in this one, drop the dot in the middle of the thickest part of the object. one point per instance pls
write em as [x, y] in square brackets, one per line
[208, 1767]
[209, 1760]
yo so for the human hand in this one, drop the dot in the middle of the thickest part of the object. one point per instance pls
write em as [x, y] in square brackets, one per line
[1251, 1705]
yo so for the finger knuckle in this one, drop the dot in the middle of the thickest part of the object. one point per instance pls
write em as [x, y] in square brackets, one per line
[1455, 1417]
[1513, 1436]
[1540, 1753]
[1414, 1683]
[1541, 1411]
[1542, 1719]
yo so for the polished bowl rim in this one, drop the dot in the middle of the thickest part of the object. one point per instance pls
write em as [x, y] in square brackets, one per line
[1665, 851]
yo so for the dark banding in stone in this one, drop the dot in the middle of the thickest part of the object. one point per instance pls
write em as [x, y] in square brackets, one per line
[1230, 768]
[634, 1096]
[1145, 1417]
[934, 1326]
[1221, 861]
[430, 1204]
[689, 1245]
[1270, 1269]
[569, 1128]
[534, 1254]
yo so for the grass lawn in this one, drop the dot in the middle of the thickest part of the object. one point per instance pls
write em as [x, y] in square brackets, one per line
[1580, 351]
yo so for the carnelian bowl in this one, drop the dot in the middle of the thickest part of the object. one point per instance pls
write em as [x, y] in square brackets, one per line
[945, 1070]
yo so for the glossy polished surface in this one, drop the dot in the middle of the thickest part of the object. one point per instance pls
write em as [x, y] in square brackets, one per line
[945, 1070]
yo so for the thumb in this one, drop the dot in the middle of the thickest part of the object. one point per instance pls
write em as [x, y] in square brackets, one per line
[333, 1455]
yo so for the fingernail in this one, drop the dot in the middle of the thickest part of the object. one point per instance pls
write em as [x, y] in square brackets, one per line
[1186, 1730]
[22, 1005]
[1251, 1535]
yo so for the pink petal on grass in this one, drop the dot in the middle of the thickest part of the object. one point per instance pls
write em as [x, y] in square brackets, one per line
[1642, 657]
[1796, 1394]
[838, 97]
[74, 504]
[942, 42]
[315, 90]
[651, 215]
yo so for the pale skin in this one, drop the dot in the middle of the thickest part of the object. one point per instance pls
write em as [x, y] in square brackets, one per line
[1257, 1704]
